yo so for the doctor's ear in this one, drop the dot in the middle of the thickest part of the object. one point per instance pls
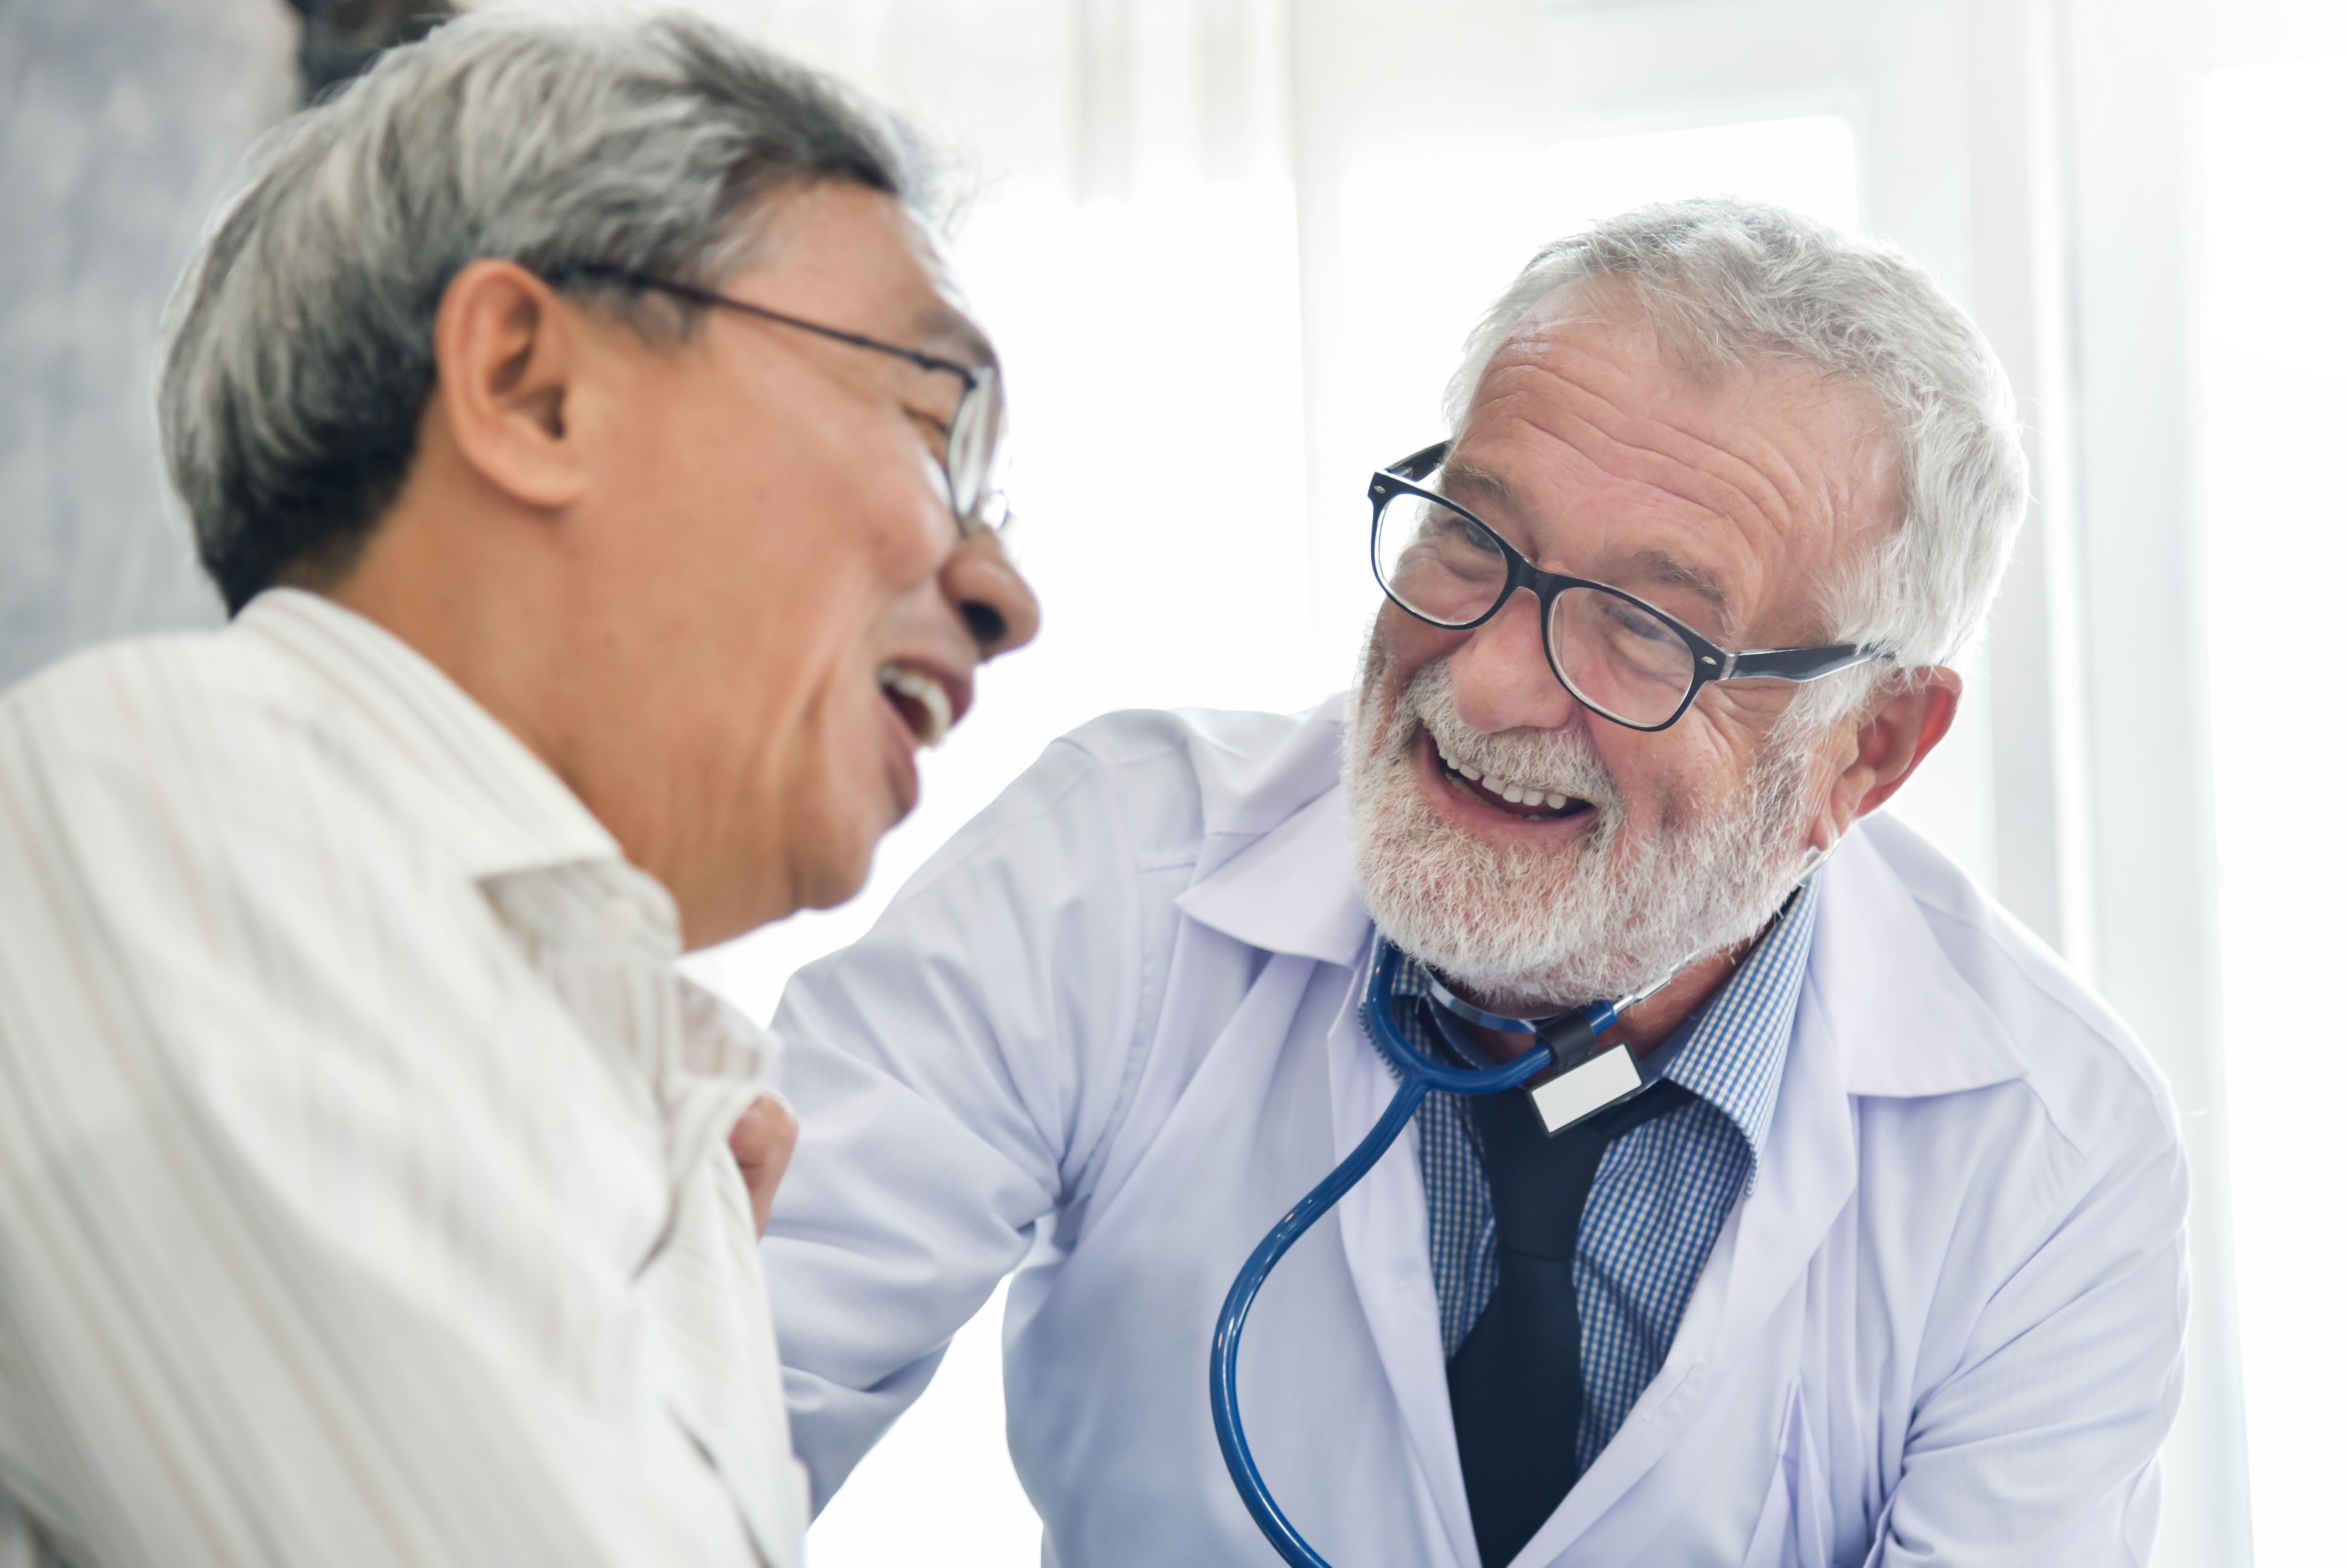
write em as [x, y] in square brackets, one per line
[508, 348]
[1895, 733]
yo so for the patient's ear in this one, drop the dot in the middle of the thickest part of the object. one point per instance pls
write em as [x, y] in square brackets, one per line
[508, 348]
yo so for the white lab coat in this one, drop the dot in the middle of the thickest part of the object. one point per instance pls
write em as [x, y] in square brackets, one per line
[1111, 1033]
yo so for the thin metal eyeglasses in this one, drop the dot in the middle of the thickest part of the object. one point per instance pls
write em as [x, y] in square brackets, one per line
[973, 438]
[1620, 657]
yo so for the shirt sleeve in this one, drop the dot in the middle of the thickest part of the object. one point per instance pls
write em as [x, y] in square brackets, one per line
[2043, 1445]
[290, 1269]
[955, 1073]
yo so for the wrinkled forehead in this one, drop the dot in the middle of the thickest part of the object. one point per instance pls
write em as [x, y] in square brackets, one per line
[1599, 426]
[1662, 354]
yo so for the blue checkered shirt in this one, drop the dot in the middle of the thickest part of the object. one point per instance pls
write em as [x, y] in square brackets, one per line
[1662, 1190]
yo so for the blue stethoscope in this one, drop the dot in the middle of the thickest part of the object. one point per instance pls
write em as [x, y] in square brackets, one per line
[1568, 1040]
[1592, 1080]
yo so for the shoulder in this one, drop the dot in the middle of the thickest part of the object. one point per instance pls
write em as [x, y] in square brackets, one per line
[1996, 999]
[205, 783]
[1156, 784]
[1231, 772]
[190, 705]
[184, 727]
[117, 691]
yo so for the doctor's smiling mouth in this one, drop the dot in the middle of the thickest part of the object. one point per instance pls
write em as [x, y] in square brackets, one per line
[1488, 798]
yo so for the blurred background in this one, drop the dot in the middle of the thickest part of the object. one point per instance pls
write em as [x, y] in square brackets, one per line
[1229, 249]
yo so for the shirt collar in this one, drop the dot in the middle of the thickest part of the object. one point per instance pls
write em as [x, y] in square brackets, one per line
[1732, 1053]
[490, 800]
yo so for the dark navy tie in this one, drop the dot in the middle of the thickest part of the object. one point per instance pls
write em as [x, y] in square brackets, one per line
[1515, 1382]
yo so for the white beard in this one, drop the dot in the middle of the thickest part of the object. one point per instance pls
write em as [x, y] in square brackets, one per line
[1532, 931]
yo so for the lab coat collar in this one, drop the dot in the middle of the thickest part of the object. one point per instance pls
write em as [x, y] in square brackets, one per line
[1277, 869]
[1246, 789]
[1277, 873]
[1903, 1022]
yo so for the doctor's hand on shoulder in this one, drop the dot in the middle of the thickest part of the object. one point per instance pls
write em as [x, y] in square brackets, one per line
[761, 1142]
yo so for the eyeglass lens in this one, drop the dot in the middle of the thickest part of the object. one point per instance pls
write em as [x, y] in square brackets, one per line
[972, 445]
[1612, 653]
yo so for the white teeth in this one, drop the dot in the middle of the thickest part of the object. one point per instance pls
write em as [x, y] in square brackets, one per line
[1507, 790]
[925, 690]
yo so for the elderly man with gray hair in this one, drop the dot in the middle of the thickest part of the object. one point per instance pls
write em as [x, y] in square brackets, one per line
[1858, 1239]
[584, 432]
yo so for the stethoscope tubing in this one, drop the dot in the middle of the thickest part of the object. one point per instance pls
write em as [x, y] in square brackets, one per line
[1419, 1073]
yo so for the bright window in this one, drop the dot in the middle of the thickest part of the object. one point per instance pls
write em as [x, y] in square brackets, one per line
[2277, 422]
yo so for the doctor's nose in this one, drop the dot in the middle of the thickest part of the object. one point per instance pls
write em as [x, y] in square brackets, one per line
[997, 606]
[1501, 676]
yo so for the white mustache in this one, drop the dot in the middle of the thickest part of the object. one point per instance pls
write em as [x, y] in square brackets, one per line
[1557, 762]
[1536, 927]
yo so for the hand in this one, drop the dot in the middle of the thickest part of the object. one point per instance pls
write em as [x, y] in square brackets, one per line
[762, 1142]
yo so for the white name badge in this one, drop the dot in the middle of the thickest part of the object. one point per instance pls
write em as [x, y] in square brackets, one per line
[1584, 1090]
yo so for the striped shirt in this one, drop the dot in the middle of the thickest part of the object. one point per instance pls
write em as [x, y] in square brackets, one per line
[1662, 1190]
[365, 1196]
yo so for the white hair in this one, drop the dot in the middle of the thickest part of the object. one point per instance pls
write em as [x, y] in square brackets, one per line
[301, 357]
[1725, 282]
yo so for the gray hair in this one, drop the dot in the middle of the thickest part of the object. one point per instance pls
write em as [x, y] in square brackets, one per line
[301, 357]
[1725, 282]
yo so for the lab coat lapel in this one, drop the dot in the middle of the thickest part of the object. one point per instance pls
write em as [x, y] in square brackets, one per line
[1384, 1223]
[1883, 1012]
[1291, 891]
[1804, 1181]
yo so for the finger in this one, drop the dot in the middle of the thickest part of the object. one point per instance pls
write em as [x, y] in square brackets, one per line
[762, 1141]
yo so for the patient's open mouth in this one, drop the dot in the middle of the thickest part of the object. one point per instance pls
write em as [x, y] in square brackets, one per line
[920, 699]
[1517, 799]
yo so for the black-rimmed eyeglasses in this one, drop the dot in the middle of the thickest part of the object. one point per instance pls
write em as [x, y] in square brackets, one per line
[973, 438]
[1620, 657]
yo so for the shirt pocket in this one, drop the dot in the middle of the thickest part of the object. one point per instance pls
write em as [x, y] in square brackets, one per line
[1796, 1527]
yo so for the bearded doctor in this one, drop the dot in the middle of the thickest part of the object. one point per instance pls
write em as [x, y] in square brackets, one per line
[1879, 1257]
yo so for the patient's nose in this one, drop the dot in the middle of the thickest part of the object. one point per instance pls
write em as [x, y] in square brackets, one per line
[996, 603]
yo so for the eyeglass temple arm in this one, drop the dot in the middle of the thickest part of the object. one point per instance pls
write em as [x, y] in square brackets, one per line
[1797, 663]
[969, 375]
[1420, 463]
